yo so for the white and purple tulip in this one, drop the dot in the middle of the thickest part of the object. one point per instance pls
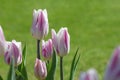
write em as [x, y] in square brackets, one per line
[113, 68]
[13, 50]
[47, 49]
[40, 24]
[91, 74]
[40, 69]
[61, 41]
[2, 42]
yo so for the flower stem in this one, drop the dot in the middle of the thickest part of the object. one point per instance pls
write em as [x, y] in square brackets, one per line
[61, 68]
[38, 49]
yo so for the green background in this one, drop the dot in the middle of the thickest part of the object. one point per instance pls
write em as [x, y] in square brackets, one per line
[94, 26]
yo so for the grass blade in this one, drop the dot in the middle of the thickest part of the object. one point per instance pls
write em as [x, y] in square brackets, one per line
[74, 64]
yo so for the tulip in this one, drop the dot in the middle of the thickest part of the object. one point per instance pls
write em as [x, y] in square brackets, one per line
[47, 49]
[2, 42]
[61, 41]
[13, 50]
[113, 68]
[40, 24]
[91, 74]
[40, 70]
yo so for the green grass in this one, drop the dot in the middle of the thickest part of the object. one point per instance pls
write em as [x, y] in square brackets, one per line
[94, 26]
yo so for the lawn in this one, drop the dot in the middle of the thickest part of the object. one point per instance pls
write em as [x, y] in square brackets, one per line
[94, 26]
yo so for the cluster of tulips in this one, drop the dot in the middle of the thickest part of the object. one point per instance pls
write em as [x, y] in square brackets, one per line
[60, 42]
[46, 60]
[47, 51]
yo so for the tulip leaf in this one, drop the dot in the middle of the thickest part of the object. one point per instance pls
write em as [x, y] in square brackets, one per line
[51, 73]
[77, 62]
[24, 53]
[22, 72]
[74, 65]
[48, 65]
[1, 78]
[19, 75]
[11, 73]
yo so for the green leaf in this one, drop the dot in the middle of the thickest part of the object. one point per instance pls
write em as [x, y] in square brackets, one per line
[76, 62]
[74, 65]
[1, 78]
[19, 75]
[22, 72]
[51, 73]
[11, 74]
[24, 53]
[48, 65]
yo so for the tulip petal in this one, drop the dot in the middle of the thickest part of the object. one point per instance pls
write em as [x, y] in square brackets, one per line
[64, 41]
[40, 70]
[113, 68]
[91, 74]
[40, 24]
[55, 40]
[2, 42]
[13, 49]
[47, 49]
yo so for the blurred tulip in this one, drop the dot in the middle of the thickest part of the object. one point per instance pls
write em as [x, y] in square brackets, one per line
[13, 50]
[2, 42]
[47, 49]
[61, 41]
[113, 68]
[91, 74]
[40, 69]
[40, 24]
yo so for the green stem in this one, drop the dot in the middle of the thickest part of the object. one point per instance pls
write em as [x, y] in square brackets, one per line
[38, 49]
[61, 68]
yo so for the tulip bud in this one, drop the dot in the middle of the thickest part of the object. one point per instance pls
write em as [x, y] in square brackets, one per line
[113, 68]
[91, 74]
[61, 41]
[40, 25]
[2, 42]
[13, 50]
[47, 49]
[40, 70]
